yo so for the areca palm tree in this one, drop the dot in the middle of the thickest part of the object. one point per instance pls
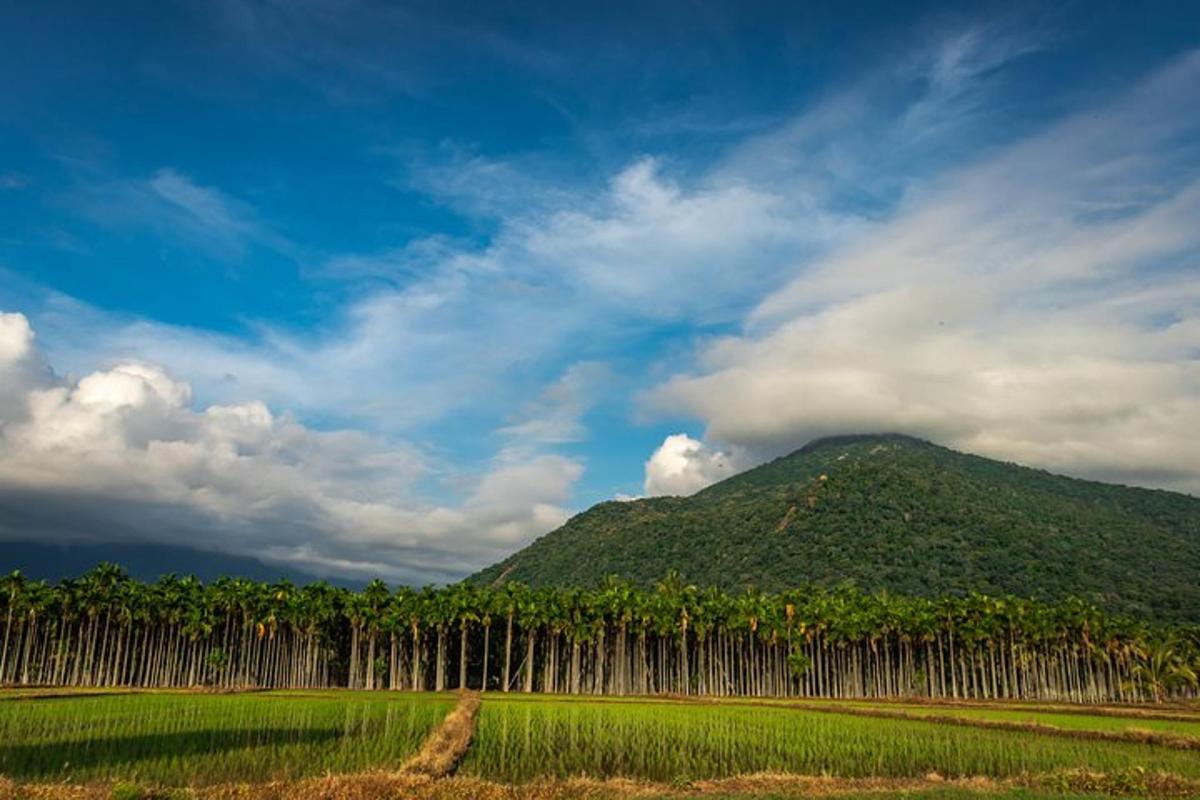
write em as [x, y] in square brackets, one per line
[510, 600]
[12, 586]
[375, 598]
[464, 602]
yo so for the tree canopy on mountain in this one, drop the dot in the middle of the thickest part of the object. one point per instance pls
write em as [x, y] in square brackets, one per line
[892, 513]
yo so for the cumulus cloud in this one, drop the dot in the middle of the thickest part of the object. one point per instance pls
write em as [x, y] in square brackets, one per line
[121, 454]
[20, 368]
[1040, 306]
[682, 465]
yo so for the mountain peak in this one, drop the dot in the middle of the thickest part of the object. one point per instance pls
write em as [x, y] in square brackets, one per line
[858, 439]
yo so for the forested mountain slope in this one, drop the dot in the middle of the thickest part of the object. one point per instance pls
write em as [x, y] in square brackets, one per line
[892, 513]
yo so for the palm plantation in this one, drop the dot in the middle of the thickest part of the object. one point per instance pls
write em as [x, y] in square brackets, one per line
[104, 629]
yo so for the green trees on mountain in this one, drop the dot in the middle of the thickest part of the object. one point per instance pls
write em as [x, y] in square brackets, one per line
[104, 629]
[892, 513]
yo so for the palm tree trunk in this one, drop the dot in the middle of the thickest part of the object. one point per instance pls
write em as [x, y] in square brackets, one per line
[462, 656]
[508, 635]
[439, 680]
[416, 658]
[487, 641]
[529, 648]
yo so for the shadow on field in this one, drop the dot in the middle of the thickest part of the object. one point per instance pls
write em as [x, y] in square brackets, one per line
[70, 757]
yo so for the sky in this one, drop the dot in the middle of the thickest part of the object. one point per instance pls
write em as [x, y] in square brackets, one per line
[389, 290]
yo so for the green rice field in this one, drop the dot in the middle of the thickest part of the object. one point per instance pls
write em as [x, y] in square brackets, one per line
[184, 738]
[522, 740]
[178, 738]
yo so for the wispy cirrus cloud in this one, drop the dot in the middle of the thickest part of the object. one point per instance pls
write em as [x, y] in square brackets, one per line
[178, 209]
[556, 415]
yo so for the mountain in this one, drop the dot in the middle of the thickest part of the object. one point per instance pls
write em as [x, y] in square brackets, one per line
[148, 562]
[890, 512]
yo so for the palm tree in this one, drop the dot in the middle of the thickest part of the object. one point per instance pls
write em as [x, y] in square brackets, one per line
[487, 603]
[511, 597]
[465, 604]
[375, 598]
[531, 614]
[1162, 669]
[11, 586]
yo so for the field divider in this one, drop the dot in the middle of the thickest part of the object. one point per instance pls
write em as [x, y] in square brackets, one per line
[446, 746]
[1175, 741]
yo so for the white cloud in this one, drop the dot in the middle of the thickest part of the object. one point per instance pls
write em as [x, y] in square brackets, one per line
[16, 339]
[847, 158]
[20, 369]
[682, 465]
[452, 326]
[207, 208]
[1041, 306]
[125, 457]
[655, 250]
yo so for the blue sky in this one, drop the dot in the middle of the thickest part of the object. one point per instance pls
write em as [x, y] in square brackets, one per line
[394, 288]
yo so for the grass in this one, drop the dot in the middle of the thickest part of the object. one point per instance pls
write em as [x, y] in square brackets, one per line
[177, 739]
[519, 741]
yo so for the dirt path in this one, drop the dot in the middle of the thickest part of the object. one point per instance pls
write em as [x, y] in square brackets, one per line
[447, 745]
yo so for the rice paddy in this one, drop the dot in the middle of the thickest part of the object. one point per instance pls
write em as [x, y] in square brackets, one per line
[521, 741]
[187, 738]
[206, 740]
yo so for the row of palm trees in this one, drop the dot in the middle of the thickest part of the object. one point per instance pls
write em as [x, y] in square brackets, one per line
[104, 629]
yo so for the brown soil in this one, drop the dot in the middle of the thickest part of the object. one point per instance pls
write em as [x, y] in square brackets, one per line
[399, 786]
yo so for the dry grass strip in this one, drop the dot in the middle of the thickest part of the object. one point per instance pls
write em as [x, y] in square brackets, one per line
[400, 786]
[447, 745]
